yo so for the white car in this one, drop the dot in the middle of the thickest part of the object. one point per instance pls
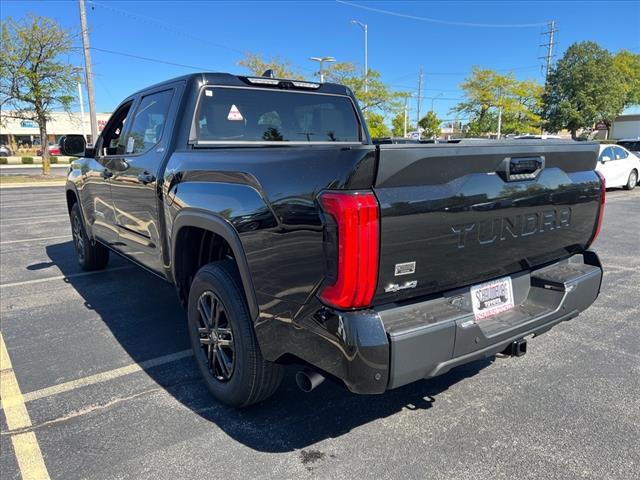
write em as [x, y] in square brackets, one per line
[619, 166]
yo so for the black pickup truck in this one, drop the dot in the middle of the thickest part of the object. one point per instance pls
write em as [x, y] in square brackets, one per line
[292, 239]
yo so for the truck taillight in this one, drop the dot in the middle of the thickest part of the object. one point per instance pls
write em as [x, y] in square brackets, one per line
[603, 193]
[357, 244]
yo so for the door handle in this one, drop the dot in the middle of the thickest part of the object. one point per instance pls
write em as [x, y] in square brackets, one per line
[107, 173]
[146, 177]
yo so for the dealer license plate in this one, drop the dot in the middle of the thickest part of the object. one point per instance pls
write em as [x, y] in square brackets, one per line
[491, 298]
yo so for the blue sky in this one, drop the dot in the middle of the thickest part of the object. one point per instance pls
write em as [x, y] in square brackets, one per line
[214, 35]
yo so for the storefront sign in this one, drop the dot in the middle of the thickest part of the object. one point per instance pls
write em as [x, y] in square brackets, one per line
[28, 124]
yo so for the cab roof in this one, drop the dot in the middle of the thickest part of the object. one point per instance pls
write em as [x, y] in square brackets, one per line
[227, 79]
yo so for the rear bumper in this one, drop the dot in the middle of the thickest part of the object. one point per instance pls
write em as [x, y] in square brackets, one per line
[397, 344]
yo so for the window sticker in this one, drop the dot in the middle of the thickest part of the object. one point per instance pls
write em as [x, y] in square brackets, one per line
[208, 93]
[130, 144]
[234, 114]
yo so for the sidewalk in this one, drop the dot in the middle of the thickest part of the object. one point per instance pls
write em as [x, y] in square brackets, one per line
[17, 160]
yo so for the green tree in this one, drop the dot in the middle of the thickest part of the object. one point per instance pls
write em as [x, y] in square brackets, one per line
[430, 124]
[521, 105]
[583, 89]
[397, 125]
[486, 92]
[480, 126]
[34, 77]
[482, 91]
[378, 95]
[257, 65]
[627, 65]
[376, 125]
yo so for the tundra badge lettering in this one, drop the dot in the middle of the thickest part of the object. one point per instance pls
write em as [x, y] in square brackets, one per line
[488, 231]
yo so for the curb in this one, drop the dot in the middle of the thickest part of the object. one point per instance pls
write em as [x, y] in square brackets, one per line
[31, 185]
[21, 166]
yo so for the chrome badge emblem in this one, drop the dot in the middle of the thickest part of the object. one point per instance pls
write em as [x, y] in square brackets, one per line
[405, 268]
[394, 287]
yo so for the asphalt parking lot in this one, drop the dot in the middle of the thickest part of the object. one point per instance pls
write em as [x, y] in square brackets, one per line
[111, 391]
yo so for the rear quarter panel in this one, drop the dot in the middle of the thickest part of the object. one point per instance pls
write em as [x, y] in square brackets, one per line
[269, 197]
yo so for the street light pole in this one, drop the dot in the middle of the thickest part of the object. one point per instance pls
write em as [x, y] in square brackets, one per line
[321, 60]
[365, 28]
[88, 72]
[499, 114]
[406, 113]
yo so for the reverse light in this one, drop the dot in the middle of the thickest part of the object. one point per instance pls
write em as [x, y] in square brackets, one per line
[603, 193]
[357, 245]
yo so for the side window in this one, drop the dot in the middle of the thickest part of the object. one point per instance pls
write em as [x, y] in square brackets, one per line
[620, 153]
[112, 139]
[608, 152]
[148, 123]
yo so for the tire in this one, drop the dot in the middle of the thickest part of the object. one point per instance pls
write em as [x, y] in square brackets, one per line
[91, 255]
[632, 181]
[226, 350]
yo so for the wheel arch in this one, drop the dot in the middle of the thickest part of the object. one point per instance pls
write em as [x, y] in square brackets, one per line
[217, 225]
[71, 195]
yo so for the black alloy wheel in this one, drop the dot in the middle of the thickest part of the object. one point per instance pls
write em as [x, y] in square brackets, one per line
[216, 336]
[223, 338]
[91, 254]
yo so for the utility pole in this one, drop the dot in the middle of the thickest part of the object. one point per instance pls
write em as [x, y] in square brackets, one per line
[88, 72]
[81, 109]
[549, 45]
[419, 99]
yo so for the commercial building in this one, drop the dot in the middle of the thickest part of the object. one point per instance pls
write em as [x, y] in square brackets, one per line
[24, 135]
[626, 125]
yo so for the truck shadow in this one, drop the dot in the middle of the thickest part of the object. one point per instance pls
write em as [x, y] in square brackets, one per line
[143, 314]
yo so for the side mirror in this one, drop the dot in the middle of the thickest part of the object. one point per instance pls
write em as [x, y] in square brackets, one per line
[73, 145]
[605, 159]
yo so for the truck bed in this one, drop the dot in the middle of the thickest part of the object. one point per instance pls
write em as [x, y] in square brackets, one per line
[454, 215]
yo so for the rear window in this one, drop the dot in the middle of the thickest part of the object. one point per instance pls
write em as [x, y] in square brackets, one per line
[632, 146]
[240, 115]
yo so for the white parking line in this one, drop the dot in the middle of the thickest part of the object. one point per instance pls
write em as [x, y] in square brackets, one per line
[36, 217]
[105, 376]
[39, 202]
[64, 277]
[24, 240]
[50, 219]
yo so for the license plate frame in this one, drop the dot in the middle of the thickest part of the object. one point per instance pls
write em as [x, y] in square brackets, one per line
[492, 298]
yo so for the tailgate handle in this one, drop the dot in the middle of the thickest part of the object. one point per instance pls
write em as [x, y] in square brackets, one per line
[515, 169]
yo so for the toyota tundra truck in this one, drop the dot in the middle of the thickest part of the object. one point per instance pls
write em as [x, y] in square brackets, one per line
[291, 238]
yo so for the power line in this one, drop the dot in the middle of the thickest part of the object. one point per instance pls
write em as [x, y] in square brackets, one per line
[443, 22]
[172, 28]
[140, 57]
[455, 74]
[166, 25]
[407, 87]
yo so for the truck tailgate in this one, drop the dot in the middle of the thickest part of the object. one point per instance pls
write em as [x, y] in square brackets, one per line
[454, 215]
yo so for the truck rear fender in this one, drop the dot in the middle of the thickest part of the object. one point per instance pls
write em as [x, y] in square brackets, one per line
[206, 220]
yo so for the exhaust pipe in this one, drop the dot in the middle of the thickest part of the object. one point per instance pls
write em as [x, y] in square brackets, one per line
[307, 380]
